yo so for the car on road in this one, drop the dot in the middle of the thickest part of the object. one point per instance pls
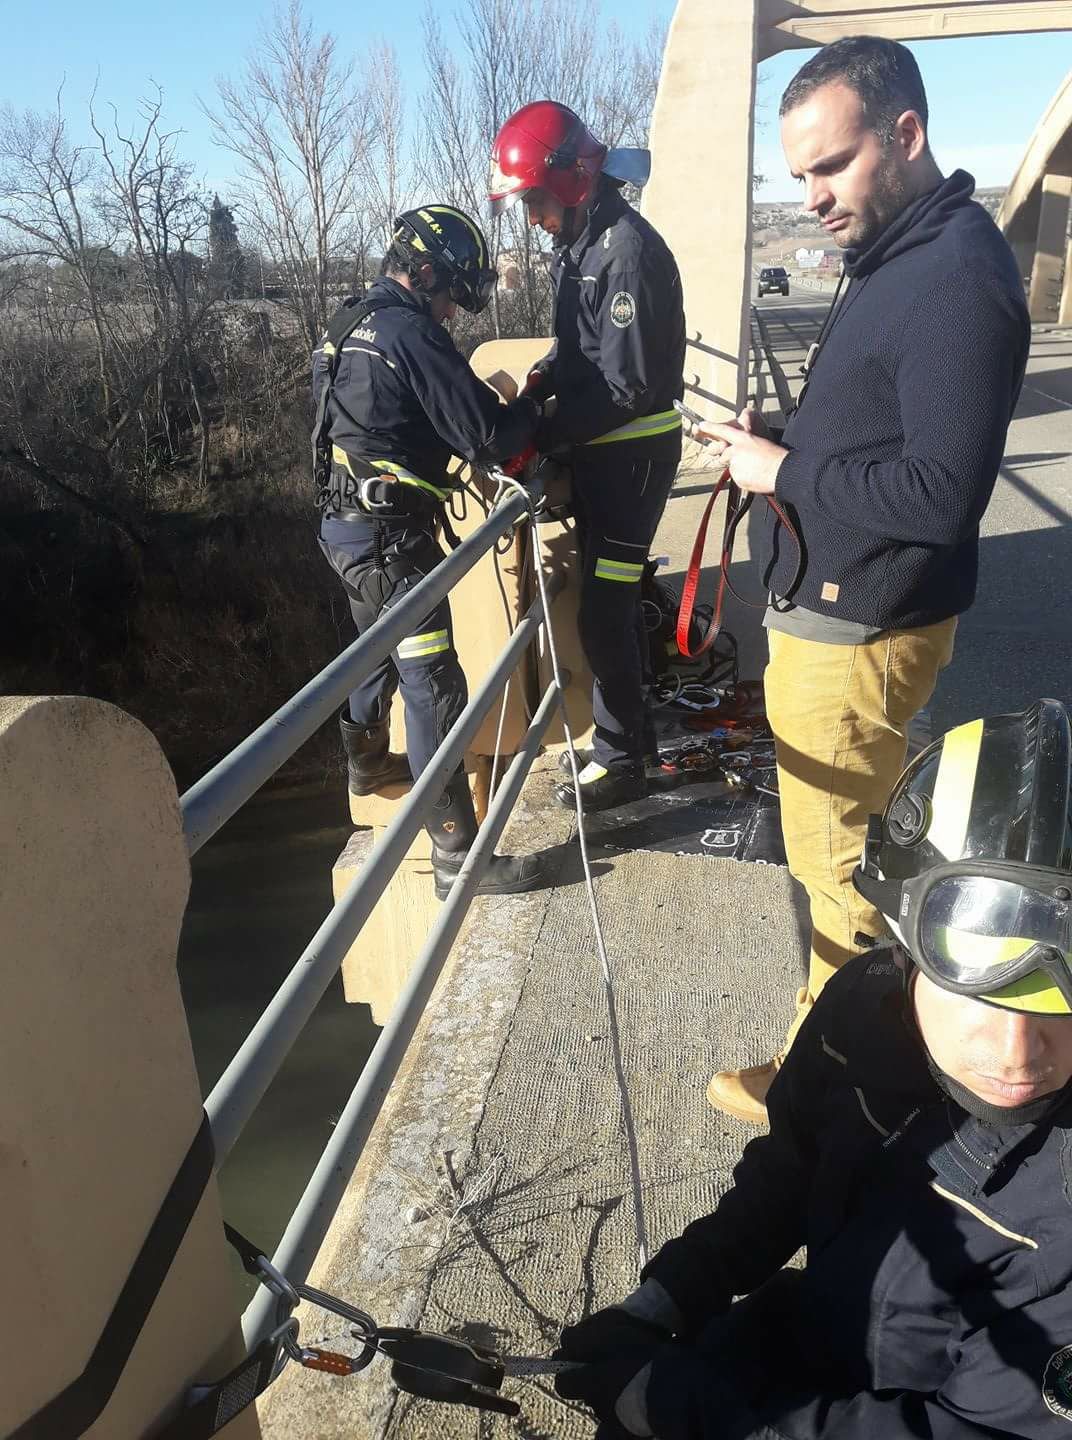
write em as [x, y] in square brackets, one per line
[774, 277]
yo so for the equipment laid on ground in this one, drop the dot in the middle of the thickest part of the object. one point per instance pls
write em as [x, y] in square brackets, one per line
[437, 1367]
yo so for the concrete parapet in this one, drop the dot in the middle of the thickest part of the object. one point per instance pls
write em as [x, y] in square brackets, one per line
[1044, 295]
[378, 963]
[99, 1098]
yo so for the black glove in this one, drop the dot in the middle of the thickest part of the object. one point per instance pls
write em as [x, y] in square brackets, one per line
[537, 384]
[599, 1385]
[605, 1334]
[613, 1347]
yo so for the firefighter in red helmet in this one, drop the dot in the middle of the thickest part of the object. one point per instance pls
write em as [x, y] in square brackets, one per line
[615, 370]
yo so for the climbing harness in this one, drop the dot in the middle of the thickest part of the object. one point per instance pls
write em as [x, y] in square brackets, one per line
[340, 327]
[348, 486]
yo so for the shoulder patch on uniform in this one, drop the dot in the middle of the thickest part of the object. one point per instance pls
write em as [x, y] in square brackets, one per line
[623, 309]
[1057, 1383]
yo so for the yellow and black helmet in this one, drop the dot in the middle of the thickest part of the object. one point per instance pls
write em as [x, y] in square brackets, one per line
[971, 861]
[455, 246]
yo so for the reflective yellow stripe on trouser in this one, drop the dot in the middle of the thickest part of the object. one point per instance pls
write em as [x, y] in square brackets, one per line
[404, 476]
[416, 647]
[624, 570]
[659, 424]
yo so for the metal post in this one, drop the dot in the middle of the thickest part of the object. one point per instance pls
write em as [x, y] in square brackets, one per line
[212, 801]
[241, 1086]
[315, 1211]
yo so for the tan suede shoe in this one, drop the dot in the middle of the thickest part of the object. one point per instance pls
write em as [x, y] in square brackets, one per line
[743, 1093]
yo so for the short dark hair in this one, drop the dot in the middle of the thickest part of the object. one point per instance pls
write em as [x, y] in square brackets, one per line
[402, 260]
[883, 73]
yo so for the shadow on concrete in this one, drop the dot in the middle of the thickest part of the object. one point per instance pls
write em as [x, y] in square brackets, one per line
[1047, 393]
[1034, 494]
[562, 865]
[1015, 644]
[1043, 457]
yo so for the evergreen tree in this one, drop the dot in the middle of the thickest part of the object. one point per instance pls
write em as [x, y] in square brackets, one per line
[226, 259]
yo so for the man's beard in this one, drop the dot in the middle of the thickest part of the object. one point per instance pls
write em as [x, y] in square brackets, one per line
[886, 201]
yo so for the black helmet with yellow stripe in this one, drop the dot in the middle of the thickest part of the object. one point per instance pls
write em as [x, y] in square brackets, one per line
[971, 861]
[455, 247]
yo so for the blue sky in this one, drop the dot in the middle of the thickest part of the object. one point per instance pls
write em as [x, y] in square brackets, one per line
[986, 95]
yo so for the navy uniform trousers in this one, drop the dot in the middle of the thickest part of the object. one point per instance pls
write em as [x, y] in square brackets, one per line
[618, 502]
[425, 664]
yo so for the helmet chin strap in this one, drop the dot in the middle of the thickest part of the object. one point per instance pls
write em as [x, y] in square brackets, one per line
[567, 231]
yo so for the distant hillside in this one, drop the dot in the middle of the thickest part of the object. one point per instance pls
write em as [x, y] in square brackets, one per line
[786, 220]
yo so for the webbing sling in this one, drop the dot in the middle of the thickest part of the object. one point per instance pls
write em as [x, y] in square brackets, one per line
[79, 1404]
[738, 504]
[208, 1407]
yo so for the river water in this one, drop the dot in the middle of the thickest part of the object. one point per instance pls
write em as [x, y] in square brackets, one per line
[260, 889]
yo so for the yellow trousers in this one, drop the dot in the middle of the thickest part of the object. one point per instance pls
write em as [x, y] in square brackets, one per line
[840, 717]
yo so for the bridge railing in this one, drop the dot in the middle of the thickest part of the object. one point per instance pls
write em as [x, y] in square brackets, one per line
[209, 803]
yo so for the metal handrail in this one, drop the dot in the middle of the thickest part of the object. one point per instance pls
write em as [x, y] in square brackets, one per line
[313, 1214]
[781, 384]
[219, 794]
[242, 1085]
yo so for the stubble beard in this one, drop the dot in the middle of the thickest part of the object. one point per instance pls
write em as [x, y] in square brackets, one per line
[888, 198]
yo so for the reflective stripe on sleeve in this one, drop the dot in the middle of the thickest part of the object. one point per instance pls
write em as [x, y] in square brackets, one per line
[659, 424]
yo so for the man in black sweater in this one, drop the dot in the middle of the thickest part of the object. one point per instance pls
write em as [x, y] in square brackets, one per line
[886, 467]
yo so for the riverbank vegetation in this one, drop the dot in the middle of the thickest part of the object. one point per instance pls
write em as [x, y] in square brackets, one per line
[157, 533]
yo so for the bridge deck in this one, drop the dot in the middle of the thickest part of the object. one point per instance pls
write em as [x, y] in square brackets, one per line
[504, 1130]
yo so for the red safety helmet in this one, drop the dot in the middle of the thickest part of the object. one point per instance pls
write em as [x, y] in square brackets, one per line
[544, 146]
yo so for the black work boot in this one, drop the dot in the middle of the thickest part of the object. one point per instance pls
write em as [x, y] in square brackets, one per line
[649, 745]
[604, 788]
[369, 763]
[452, 826]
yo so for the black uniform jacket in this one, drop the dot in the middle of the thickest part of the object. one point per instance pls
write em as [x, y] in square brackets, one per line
[619, 333]
[935, 1301]
[404, 393]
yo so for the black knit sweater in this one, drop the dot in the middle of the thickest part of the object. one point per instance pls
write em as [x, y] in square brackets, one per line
[896, 445]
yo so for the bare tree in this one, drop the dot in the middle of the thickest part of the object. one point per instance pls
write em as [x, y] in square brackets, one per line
[513, 52]
[150, 198]
[298, 121]
[46, 182]
[386, 177]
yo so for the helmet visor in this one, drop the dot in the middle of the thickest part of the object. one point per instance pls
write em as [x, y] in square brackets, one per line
[504, 190]
[473, 292]
[501, 203]
[979, 929]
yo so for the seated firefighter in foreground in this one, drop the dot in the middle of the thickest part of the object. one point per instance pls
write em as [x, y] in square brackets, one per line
[395, 401]
[919, 1147]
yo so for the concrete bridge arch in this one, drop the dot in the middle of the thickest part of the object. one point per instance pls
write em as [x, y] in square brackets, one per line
[700, 194]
